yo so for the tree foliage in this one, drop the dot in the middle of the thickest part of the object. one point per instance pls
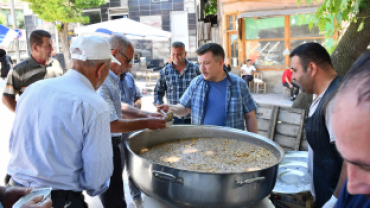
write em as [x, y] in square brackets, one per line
[63, 11]
[3, 19]
[341, 11]
[211, 7]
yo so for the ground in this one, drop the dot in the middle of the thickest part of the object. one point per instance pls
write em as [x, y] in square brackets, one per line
[7, 118]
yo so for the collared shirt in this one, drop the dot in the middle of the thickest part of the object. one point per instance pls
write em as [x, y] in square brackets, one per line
[111, 93]
[238, 100]
[129, 91]
[60, 136]
[129, 94]
[27, 72]
[174, 84]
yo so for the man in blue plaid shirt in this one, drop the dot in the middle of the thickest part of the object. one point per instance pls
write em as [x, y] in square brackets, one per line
[216, 97]
[174, 79]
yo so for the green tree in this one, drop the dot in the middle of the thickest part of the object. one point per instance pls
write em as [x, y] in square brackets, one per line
[211, 7]
[352, 42]
[3, 19]
[61, 13]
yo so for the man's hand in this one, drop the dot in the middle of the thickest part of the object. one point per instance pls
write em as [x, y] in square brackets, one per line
[290, 85]
[156, 123]
[12, 194]
[163, 107]
[34, 203]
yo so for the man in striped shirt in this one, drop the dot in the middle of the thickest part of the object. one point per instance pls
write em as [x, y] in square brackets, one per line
[37, 67]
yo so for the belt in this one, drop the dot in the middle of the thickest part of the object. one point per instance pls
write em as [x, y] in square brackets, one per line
[65, 194]
[54, 193]
[116, 140]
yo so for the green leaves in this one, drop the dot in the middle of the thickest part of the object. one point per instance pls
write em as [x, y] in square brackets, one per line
[64, 11]
[361, 26]
[342, 10]
[211, 7]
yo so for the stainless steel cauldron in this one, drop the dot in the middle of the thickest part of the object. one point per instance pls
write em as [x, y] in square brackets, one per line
[180, 188]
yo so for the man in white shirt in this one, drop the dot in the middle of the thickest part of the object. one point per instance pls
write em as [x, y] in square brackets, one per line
[61, 135]
[248, 70]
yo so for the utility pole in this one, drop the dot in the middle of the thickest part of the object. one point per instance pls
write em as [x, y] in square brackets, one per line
[15, 27]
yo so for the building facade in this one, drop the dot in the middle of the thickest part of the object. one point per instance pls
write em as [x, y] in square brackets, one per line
[266, 32]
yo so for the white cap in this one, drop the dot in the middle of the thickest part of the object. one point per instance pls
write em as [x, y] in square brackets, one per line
[91, 48]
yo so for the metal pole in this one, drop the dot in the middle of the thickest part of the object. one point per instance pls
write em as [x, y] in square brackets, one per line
[15, 27]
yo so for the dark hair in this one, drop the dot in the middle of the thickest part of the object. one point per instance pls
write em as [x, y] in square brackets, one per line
[248, 60]
[37, 35]
[357, 79]
[216, 49]
[311, 52]
[178, 44]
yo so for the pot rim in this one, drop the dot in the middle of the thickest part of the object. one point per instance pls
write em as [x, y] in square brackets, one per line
[278, 147]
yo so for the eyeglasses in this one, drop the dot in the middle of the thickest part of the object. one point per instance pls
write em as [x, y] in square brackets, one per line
[129, 61]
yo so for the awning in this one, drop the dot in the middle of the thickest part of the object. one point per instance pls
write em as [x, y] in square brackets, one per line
[130, 28]
[278, 12]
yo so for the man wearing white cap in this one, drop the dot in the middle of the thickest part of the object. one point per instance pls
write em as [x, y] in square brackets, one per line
[60, 136]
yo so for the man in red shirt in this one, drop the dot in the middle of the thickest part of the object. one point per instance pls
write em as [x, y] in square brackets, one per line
[287, 82]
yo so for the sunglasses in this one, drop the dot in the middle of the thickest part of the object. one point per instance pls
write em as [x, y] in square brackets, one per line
[129, 61]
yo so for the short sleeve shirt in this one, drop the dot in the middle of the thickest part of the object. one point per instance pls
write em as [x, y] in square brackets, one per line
[238, 100]
[28, 72]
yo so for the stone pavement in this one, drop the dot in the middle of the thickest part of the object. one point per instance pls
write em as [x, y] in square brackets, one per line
[7, 119]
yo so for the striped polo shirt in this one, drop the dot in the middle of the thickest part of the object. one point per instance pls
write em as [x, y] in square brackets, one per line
[28, 72]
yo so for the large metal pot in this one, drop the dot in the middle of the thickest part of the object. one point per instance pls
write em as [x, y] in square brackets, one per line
[180, 188]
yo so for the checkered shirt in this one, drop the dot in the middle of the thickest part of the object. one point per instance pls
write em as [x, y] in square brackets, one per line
[173, 84]
[238, 100]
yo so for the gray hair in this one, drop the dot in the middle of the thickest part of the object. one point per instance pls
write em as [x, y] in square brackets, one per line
[119, 41]
[178, 44]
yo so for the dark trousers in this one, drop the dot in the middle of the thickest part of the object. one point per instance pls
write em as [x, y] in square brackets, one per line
[114, 197]
[247, 78]
[177, 121]
[134, 190]
[73, 201]
[60, 198]
[285, 84]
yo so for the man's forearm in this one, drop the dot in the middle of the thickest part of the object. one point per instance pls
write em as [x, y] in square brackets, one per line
[127, 125]
[129, 112]
[9, 102]
[251, 121]
[179, 110]
[342, 179]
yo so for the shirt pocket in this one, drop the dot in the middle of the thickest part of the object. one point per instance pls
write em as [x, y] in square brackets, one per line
[172, 84]
[236, 105]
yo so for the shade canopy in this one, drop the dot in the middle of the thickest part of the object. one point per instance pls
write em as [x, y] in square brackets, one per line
[130, 28]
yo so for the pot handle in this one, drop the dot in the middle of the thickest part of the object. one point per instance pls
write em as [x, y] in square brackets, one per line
[249, 181]
[166, 177]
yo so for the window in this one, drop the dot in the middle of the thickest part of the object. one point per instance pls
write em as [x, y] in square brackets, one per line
[37, 21]
[234, 49]
[266, 38]
[94, 16]
[232, 22]
[10, 19]
[264, 27]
